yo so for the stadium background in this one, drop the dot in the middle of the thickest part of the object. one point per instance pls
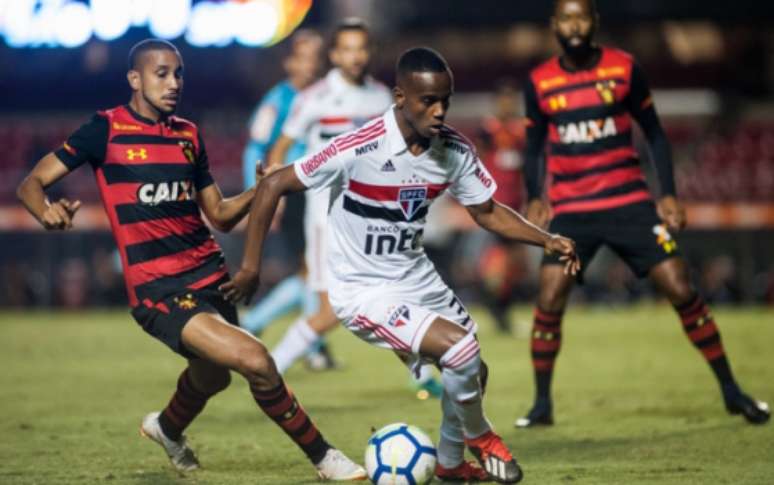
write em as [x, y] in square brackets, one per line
[712, 70]
[635, 403]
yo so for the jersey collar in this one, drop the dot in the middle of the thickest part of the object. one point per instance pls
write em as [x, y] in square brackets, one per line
[394, 137]
[142, 119]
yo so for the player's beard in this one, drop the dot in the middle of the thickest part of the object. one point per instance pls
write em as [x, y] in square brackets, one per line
[582, 50]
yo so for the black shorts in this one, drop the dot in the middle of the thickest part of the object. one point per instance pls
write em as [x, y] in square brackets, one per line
[634, 232]
[165, 320]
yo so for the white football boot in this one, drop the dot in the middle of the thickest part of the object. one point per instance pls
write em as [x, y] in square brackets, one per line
[181, 456]
[337, 467]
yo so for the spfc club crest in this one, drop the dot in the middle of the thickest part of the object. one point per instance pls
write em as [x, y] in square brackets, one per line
[399, 317]
[411, 199]
[188, 150]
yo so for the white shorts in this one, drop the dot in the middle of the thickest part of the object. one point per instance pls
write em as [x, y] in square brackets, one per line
[396, 317]
[315, 232]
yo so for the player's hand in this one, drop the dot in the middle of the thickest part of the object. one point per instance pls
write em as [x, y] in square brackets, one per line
[671, 212]
[538, 213]
[565, 247]
[59, 215]
[241, 287]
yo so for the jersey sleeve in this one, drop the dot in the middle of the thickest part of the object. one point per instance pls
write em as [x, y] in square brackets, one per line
[473, 183]
[87, 144]
[301, 117]
[321, 169]
[202, 176]
[260, 130]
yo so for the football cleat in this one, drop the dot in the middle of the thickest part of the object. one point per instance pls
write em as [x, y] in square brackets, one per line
[336, 466]
[540, 414]
[737, 402]
[464, 472]
[494, 457]
[181, 456]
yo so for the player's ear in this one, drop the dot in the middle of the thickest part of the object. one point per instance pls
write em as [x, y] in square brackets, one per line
[133, 77]
[398, 96]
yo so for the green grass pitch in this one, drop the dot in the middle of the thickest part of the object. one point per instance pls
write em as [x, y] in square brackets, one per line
[634, 403]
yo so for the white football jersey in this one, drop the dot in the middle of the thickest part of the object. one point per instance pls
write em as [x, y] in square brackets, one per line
[333, 106]
[383, 192]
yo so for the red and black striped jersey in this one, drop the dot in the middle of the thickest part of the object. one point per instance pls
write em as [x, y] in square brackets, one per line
[586, 118]
[148, 173]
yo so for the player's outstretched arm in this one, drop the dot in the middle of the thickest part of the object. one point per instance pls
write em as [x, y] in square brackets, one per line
[225, 213]
[52, 216]
[268, 193]
[507, 223]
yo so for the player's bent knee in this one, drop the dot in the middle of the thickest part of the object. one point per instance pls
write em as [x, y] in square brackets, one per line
[256, 364]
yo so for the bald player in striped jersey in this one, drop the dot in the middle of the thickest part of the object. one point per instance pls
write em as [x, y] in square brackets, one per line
[153, 175]
[581, 106]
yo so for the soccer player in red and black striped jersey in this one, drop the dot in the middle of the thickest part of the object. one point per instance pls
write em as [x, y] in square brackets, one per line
[583, 104]
[154, 178]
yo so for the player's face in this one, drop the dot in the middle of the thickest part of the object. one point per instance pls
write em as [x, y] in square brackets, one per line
[351, 54]
[506, 104]
[160, 80]
[573, 24]
[304, 64]
[424, 98]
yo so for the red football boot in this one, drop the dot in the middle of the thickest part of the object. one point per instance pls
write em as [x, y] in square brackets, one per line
[493, 455]
[464, 472]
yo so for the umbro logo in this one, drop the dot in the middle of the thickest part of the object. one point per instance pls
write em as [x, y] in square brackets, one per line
[388, 166]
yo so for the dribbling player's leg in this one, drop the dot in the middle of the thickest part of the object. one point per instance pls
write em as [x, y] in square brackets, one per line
[546, 340]
[458, 353]
[212, 338]
[671, 277]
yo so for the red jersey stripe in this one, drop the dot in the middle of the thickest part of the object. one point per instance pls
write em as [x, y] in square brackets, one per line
[158, 228]
[594, 183]
[603, 204]
[361, 140]
[567, 165]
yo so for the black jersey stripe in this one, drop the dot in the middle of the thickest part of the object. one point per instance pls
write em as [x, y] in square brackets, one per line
[132, 213]
[602, 194]
[166, 246]
[160, 288]
[147, 140]
[621, 140]
[570, 177]
[596, 112]
[585, 84]
[147, 173]
[372, 212]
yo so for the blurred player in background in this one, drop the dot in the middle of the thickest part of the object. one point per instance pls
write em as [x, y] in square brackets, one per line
[501, 140]
[153, 174]
[583, 103]
[302, 66]
[346, 98]
[382, 284]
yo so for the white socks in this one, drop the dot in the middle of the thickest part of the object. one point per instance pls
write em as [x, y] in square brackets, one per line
[294, 344]
[451, 445]
[460, 366]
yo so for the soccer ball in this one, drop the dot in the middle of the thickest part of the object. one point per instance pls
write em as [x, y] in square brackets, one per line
[400, 454]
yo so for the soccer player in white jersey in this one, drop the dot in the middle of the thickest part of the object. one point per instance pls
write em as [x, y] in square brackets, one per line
[382, 285]
[345, 99]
